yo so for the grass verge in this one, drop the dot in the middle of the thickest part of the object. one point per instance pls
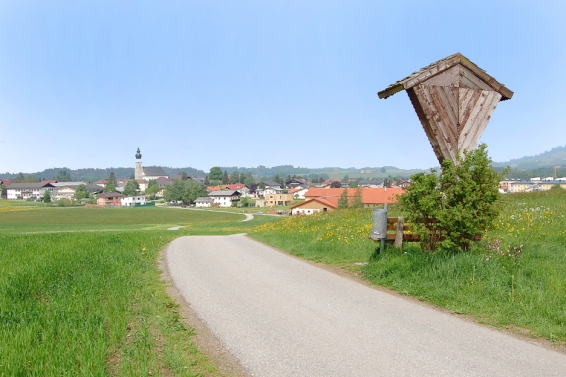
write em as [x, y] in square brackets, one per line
[81, 293]
[514, 278]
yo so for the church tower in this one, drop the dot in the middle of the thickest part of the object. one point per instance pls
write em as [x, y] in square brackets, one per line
[139, 168]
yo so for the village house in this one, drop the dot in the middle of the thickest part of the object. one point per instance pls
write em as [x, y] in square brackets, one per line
[113, 199]
[298, 193]
[510, 186]
[25, 191]
[315, 205]
[371, 183]
[67, 190]
[204, 202]
[224, 198]
[101, 182]
[135, 200]
[272, 200]
[296, 183]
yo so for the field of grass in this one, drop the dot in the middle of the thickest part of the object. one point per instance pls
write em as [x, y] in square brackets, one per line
[81, 295]
[514, 278]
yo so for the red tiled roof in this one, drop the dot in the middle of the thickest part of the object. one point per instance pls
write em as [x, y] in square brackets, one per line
[369, 195]
[331, 202]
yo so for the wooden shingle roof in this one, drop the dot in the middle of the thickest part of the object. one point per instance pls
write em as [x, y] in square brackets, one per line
[440, 66]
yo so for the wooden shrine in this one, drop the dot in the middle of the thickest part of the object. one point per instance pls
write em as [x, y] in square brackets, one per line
[454, 100]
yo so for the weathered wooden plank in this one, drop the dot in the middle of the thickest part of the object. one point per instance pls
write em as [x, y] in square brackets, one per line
[425, 123]
[471, 81]
[506, 93]
[440, 131]
[450, 77]
[478, 120]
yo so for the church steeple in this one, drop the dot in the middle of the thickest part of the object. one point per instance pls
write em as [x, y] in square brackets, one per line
[139, 168]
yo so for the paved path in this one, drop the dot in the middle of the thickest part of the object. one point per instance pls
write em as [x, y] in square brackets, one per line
[283, 317]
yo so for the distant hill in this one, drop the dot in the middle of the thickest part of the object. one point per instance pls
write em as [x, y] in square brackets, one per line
[554, 157]
[541, 165]
[93, 175]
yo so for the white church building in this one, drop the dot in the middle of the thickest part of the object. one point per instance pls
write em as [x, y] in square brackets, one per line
[149, 172]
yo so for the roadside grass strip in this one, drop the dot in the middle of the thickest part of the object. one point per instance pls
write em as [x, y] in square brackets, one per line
[90, 304]
[514, 278]
[81, 292]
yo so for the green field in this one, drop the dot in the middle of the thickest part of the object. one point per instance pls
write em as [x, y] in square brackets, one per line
[515, 278]
[81, 293]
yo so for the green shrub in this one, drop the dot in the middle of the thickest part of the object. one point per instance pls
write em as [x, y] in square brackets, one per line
[452, 210]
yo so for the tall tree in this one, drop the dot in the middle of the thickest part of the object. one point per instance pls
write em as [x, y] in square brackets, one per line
[46, 197]
[235, 177]
[248, 179]
[225, 178]
[345, 179]
[81, 192]
[357, 199]
[110, 187]
[63, 176]
[192, 191]
[3, 191]
[279, 180]
[174, 192]
[112, 179]
[152, 188]
[215, 176]
[343, 200]
[20, 178]
[132, 186]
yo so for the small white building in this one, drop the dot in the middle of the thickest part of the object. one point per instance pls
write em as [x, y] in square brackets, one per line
[136, 200]
[224, 198]
[204, 202]
[299, 193]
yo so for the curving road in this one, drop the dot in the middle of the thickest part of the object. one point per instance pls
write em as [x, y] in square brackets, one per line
[281, 316]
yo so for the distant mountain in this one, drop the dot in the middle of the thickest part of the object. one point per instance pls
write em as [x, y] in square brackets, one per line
[554, 157]
[93, 175]
[526, 167]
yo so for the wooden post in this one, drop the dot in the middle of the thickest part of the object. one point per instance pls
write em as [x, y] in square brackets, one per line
[385, 235]
[399, 235]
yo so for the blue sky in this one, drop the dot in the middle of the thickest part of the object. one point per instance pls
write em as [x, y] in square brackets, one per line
[83, 84]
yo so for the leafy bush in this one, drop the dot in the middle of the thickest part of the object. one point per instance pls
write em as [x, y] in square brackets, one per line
[454, 209]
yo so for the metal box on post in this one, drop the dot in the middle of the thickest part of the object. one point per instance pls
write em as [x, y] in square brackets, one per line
[379, 228]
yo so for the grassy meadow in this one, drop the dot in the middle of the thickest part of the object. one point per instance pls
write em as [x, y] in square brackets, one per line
[515, 278]
[81, 294]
